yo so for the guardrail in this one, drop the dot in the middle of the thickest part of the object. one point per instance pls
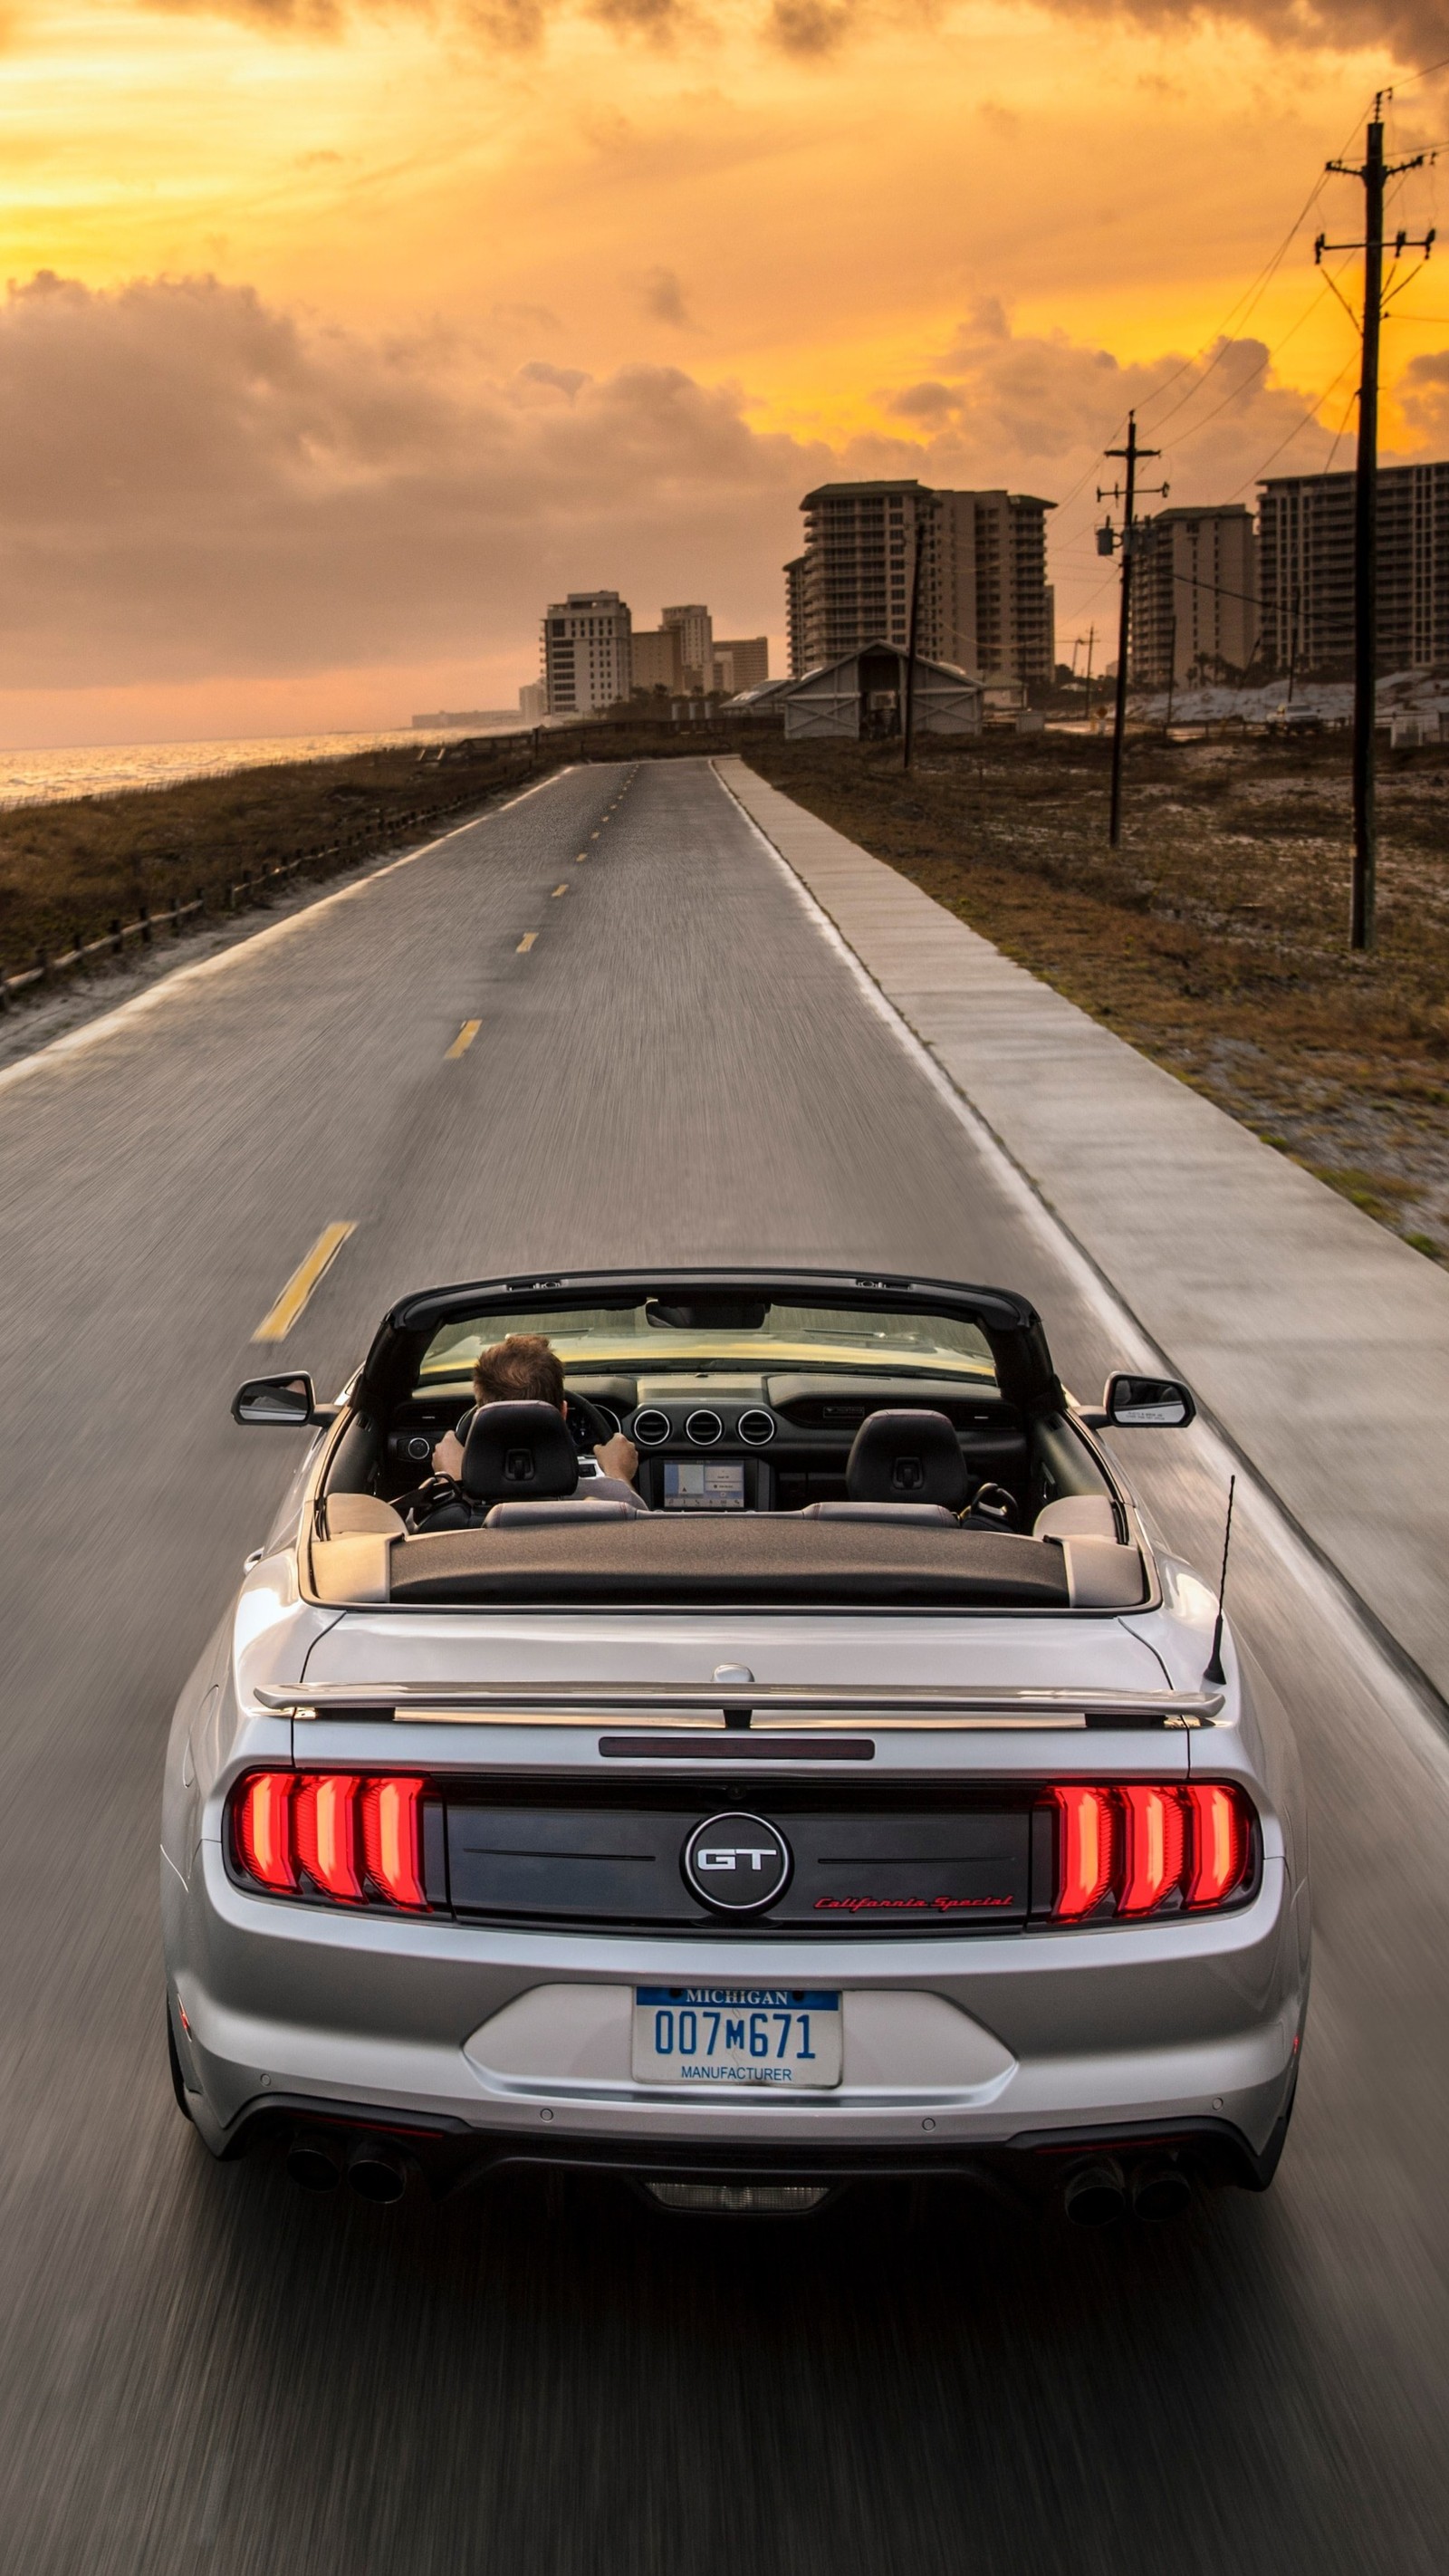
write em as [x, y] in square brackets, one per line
[252, 887]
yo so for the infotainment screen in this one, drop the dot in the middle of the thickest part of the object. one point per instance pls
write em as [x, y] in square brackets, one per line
[704, 1484]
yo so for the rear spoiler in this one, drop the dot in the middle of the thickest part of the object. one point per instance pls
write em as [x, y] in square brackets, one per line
[761, 1705]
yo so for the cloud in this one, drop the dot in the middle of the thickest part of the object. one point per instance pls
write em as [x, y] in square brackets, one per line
[1418, 28]
[1033, 409]
[924, 402]
[199, 483]
[563, 380]
[809, 26]
[1422, 393]
[1413, 30]
[662, 297]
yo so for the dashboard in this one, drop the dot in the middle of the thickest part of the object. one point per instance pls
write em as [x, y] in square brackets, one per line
[710, 1442]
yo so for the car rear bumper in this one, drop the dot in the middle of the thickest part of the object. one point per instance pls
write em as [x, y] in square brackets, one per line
[485, 2046]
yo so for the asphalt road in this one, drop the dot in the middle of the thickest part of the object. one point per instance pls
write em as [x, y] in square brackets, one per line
[201, 2368]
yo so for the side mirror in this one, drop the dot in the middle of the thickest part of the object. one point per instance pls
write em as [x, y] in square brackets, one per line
[1146, 1403]
[289, 1402]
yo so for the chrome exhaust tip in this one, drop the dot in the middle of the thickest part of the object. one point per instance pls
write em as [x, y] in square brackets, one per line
[1160, 2192]
[313, 2164]
[1095, 2195]
[376, 2174]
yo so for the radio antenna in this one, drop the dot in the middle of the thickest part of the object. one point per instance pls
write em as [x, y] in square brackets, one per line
[1214, 1672]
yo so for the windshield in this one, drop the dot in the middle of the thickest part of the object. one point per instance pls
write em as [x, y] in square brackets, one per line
[642, 1337]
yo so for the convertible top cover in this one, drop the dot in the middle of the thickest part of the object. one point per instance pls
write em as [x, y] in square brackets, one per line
[776, 1560]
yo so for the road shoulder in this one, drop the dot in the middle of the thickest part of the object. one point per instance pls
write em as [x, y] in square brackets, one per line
[1317, 1341]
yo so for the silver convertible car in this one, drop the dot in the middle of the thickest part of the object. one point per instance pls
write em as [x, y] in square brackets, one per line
[867, 1794]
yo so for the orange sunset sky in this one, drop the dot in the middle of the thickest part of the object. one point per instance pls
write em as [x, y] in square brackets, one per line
[339, 339]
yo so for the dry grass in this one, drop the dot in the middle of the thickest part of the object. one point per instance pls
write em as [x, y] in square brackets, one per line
[1215, 939]
[68, 870]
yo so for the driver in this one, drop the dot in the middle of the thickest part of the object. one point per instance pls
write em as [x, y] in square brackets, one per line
[524, 1370]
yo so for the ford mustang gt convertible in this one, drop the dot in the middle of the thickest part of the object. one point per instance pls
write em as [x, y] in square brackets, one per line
[868, 1793]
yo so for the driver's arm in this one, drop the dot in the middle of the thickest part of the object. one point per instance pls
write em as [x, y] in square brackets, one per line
[448, 1456]
[618, 1457]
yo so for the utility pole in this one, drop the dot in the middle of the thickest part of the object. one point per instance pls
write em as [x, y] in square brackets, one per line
[1171, 671]
[1374, 174]
[1131, 456]
[1087, 710]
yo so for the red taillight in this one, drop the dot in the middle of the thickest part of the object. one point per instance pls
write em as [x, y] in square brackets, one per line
[391, 1821]
[327, 1839]
[332, 1833]
[1085, 1863]
[1154, 1847]
[1142, 1848]
[264, 1828]
[1219, 1845]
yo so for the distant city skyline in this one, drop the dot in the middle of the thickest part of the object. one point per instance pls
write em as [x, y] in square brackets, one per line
[593, 656]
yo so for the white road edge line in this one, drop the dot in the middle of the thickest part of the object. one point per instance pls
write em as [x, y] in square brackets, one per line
[76, 1041]
[1384, 1662]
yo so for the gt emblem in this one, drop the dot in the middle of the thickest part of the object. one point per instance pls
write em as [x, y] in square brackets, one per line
[737, 1864]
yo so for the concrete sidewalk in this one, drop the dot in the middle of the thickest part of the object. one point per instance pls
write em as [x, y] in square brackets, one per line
[1318, 1341]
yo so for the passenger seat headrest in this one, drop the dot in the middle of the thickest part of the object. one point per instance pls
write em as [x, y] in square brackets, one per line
[907, 1458]
[518, 1453]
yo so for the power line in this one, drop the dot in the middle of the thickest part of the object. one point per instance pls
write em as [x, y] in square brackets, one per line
[1301, 423]
[1408, 79]
[1218, 340]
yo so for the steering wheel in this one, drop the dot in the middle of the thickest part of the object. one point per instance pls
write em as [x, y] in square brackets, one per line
[588, 1423]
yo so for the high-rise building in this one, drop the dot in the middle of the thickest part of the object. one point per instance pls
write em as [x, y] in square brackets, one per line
[795, 615]
[587, 663]
[658, 660]
[695, 629]
[1305, 561]
[984, 601]
[1195, 612]
[533, 701]
[741, 662]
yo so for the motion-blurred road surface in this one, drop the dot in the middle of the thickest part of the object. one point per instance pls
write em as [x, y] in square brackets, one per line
[203, 2370]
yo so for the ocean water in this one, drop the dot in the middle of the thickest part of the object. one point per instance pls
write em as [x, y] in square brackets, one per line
[41, 777]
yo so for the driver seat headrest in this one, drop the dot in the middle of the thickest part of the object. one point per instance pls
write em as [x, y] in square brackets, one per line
[907, 1458]
[518, 1453]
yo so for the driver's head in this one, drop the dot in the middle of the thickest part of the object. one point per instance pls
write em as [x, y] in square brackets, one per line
[520, 1370]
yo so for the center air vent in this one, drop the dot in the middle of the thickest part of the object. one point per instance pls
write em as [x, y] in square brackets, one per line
[703, 1428]
[650, 1427]
[756, 1427]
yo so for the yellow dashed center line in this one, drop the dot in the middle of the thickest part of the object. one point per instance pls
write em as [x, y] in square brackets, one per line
[277, 1325]
[558, 890]
[525, 943]
[463, 1040]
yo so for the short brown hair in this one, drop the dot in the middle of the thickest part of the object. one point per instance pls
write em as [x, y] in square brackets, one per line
[520, 1370]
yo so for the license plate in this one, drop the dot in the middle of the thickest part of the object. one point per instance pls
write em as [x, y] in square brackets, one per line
[787, 2037]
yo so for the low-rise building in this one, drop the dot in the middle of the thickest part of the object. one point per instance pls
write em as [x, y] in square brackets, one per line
[863, 696]
[587, 656]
